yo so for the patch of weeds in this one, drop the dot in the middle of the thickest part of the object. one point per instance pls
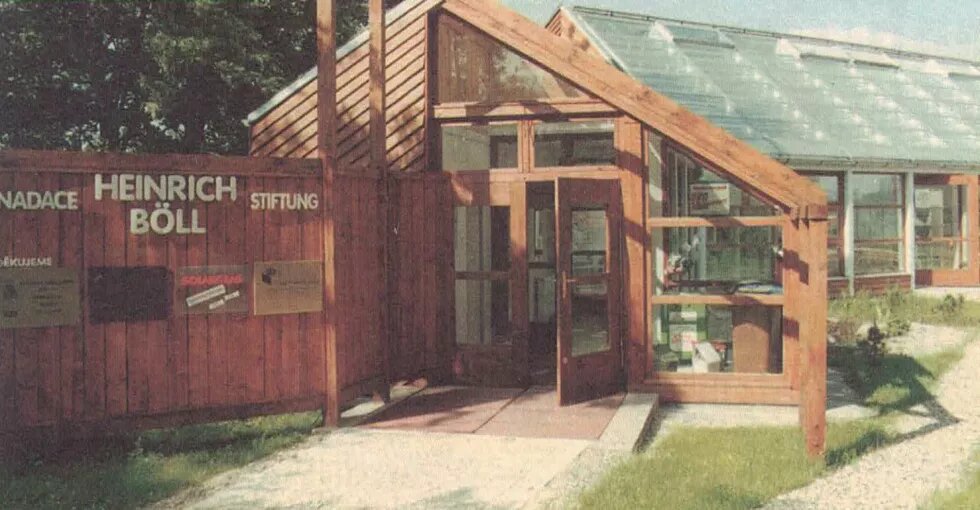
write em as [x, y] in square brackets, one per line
[136, 470]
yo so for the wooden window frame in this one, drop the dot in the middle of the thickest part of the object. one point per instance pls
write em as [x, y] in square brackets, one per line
[776, 381]
[525, 145]
[532, 155]
[835, 243]
[497, 196]
[437, 144]
[901, 209]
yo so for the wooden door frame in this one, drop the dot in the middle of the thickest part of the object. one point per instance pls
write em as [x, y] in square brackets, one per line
[476, 193]
[971, 235]
[571, 369]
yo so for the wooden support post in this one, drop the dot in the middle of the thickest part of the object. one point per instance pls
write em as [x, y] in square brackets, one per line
[379, 164]
[813, 332]
[326, 41]
[630, 143]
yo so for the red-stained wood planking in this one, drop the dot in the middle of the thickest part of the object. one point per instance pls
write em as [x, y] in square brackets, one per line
[253, 351]
[136, 342]
[145, 371]
[8, 383]
[49, 344]
[93, 253]
[70, 228]
[116, 370]
[26, 340]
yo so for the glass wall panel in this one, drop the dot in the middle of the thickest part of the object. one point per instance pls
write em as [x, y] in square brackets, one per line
[482, 262]
[708, 338]
[564, 144]
[831, 185]
[475, 68]
[693, 190]
[877, 189]
[879, 223]
[482, 312]
[721, 260]
[482, 238]
[879, 257]
[478, 147]
[940, 216]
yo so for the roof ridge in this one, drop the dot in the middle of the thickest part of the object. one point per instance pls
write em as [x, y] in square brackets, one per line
[769, 33]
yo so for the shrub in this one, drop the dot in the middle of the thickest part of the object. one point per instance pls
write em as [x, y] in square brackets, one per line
[874, 347]
[951, 305]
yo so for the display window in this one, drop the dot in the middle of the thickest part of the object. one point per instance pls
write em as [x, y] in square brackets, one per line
[703, 339]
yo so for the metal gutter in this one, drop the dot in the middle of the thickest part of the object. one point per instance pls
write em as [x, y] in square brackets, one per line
[393, 15]
[882, 164]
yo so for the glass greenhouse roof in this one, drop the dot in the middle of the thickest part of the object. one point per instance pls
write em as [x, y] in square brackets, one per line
[796, 97]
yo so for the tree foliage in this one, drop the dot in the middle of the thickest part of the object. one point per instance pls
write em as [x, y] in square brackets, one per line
[150, 76]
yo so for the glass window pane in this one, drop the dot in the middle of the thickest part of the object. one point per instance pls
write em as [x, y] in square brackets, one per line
[475, 68]
[941, 255]
[877, 189]
[693, 190]
[482, 238]
[720, 260]
[833, 223]
[938, 211]
[835, 264]
[878, 258]
[561, 144]
[478, 147]
[482, 312]
[590, 319]
[830, 185]
[878, 223]
[708, 338]
[588, 241]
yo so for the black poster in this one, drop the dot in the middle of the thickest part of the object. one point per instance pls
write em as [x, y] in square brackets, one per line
[129, 294]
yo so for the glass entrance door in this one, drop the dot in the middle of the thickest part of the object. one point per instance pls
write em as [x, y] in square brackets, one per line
[588, 247]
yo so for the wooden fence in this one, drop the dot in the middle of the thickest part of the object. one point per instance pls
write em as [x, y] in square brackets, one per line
[97, 282]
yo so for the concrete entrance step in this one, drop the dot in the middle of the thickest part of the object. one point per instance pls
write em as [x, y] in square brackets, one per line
[631, 426]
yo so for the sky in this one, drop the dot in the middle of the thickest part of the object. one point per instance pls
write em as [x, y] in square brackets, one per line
[948, 27]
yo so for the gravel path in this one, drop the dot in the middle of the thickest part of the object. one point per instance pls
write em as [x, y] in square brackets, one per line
[361, 468]
[907, 474]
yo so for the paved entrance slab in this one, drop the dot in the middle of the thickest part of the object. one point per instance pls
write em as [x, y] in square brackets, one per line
[531, 413]
[403, 460]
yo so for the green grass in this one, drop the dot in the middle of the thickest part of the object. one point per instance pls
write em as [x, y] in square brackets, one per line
[696, 468]
[699, 468]
[130, 472]
[910, 307]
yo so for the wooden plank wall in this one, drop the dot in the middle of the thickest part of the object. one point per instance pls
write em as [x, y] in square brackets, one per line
[421, 274]
[289, 130]
[192, 367]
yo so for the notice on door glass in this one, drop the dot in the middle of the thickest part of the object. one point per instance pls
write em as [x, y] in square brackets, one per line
[287, 287]
[39, 297]
[212, 289]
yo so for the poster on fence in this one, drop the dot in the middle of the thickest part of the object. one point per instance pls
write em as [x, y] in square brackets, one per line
[212, 290]
[39, 297]
[287, 287]
[129, 294]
